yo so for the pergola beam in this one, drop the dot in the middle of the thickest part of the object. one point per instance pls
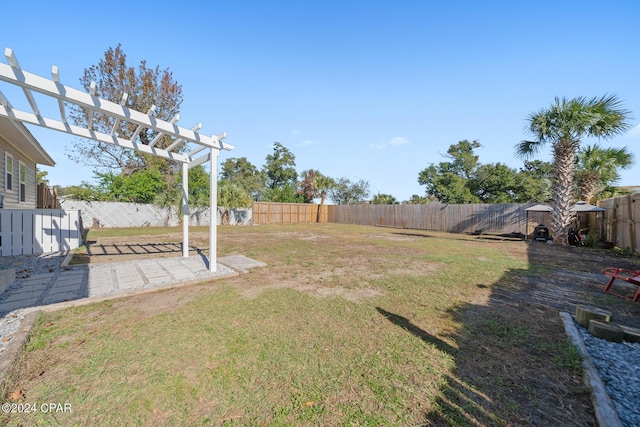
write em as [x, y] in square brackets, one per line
[92, 104]
[179, 141]
[55, 75]
[92, 92]
[161, 134]
[200, 160]
[82, 132]
[28, 81]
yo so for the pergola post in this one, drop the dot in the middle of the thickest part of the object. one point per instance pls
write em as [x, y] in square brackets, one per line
[185, 210]
[213, 209]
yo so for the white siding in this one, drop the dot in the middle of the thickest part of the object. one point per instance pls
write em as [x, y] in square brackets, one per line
[11, 198]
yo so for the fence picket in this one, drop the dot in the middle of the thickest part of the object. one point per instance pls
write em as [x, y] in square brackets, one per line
[36, 231]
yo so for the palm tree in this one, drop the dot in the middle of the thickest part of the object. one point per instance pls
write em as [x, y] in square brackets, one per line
[230, 195]
[564, 124]
[383, 199]
[323, 185]
[597, 169]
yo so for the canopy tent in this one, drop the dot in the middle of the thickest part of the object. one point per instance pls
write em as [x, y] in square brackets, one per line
[535, 208]
[585, 207]
[539, 208]
[577, 208]
[207, 148]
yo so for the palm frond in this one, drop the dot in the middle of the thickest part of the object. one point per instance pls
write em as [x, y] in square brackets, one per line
[527, 149]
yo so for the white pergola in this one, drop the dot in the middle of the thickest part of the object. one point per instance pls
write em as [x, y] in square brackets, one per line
[188, 146]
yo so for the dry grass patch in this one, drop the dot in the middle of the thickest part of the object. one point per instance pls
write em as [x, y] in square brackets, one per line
[346, 325]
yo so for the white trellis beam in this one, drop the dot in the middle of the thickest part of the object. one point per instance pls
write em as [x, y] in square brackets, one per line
[92, 92]
[123, 101]
[161, 134]
[55, 75]
[180, 140]
[92, 104]
[13, 114]
[29, 81]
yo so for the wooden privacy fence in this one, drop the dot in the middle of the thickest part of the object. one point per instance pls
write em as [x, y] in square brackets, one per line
[616, 225]
[288, 213]
[47, 197]
[620, 219]
[468, 218]
[37, 231]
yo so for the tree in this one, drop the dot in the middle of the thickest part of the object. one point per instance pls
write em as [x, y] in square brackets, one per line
[445, 186]
[41, 177]
[564, 124]
[323, 184]
[448, 181]
[145, 87]
[308, 189]
[280, 168]
[138, 187]
[535, 181]
[286, 193]
[464, 160]
[465, 180]
[231, 195]
[417, 200]
[313, 185]
[199, 187]
[198, 192]
[244, 174]
[346, 192]
[383, 199]
[495, 183]
[597, 169]
[85, 191]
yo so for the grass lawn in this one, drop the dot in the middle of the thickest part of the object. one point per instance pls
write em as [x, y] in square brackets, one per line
[346, 326]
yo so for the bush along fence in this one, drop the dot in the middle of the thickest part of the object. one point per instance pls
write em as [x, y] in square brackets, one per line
[117, 214]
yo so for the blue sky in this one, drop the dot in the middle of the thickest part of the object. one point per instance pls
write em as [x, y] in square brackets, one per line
[374, 90]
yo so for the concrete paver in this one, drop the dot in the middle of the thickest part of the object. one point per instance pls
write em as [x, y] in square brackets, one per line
[99, 280]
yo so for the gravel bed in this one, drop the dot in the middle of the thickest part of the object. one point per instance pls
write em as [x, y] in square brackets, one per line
[618, 365]
[9, 324]
[25, 266]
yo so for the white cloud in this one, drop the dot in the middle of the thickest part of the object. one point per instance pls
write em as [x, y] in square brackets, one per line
[393, 142]
[381, 145]
[398, 140]
[306, 142]
[634, 132]
[295, 132]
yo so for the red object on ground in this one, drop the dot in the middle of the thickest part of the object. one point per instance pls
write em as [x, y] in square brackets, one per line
[628, 276]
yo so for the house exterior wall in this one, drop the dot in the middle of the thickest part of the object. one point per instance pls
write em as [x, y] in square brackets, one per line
[12, 197]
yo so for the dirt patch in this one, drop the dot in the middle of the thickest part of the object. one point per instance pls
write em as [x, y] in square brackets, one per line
[353, 294]
[164, 301]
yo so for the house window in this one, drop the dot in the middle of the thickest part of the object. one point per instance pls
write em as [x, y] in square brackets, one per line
[8, 172]
[23, 181]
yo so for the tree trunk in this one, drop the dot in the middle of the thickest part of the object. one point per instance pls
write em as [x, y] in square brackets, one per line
[562, 196]
[587, 184]
[322, 197]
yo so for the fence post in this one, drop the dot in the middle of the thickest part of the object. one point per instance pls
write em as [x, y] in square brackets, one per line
[632, 228]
